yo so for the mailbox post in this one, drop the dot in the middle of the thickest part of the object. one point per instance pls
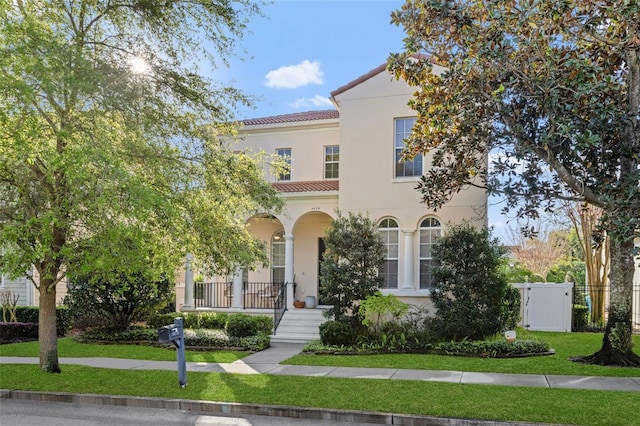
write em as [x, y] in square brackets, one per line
[175, 334]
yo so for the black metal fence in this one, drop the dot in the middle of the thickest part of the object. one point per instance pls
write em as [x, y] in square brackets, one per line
[213, 295]
[591, 308]
[220, 295]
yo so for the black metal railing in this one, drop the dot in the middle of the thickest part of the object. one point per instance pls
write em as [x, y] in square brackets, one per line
[213, 295]
[279, 307]
[260, 295]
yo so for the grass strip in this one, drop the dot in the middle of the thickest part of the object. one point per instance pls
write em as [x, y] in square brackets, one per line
[565, 344]
[568, 406]
[67, 347]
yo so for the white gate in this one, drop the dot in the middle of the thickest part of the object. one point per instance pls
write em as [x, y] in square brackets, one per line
[545, 306]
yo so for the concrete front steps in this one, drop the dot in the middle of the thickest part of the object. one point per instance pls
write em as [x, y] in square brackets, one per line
[299, 326]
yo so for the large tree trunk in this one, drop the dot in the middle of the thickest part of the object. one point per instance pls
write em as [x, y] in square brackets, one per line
[617, 344]
[47, 334]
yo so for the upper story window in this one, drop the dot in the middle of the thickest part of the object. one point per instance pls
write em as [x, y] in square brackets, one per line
[430, 230]
[285, 153]
[388, 231]
[407, 168]
[331, 162]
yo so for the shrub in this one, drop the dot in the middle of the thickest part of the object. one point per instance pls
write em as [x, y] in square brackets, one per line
[31, 314]
[511, 304]
[493, 348]
[349, 268]
[241, 325]
[468, 290]
[580, 317]
[338, 333]
[208, 320]
[18, 331]
[116, 302]
[158, 320]
[109, 335]
[378, 310]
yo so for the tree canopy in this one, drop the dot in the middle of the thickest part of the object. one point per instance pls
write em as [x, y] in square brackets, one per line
[550, 90]
[110, 134]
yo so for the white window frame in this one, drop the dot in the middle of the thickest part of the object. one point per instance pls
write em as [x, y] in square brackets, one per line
[333, 155]
[430, 230]
[281, 152]
[385, 230]
[399, 135]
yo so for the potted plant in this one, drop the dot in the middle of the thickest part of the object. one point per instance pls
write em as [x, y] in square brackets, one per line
[298, 304]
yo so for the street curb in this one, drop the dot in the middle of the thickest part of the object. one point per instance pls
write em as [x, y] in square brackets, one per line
[228, 408]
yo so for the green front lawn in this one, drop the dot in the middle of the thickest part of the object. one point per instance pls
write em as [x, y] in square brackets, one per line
[546, 405]
[565, 344]
[69, 348]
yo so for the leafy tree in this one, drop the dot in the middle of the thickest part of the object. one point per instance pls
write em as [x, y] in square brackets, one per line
[468, 291]
[349, 268]
[596, 253]
[93, 154]
[553, 89]
[117, 302]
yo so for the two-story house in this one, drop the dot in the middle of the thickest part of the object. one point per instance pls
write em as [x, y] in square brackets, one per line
[347, 159]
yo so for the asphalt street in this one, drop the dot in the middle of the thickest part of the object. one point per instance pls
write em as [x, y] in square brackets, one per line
[32, 413]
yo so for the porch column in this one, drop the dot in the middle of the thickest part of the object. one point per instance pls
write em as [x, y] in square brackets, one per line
[188, 283]
[288, 269]
[407, 277]
[238, 300]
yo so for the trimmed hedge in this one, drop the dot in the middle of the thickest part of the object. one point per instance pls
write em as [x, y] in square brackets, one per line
[208, 320]
[498, 348]
[31, 314]
[11, 332]
[193, 339]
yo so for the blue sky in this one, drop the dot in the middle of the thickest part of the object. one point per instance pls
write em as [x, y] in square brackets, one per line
[304, 49]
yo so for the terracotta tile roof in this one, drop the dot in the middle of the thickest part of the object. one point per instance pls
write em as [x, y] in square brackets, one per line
[292, 118]
[307, 186]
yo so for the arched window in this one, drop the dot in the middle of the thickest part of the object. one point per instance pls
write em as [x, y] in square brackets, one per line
[388, 230]
[430, 230]
[277, 257]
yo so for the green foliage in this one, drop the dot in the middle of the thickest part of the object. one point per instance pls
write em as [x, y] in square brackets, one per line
[563, 270]
[516, 273]
[493, 348]
[338, 333]
[511, 304]
[241, 325]
[547, 85]
[579, 317]
[118, 301]
[103, 168]
[378, 309]
[468, 291]
[349, 268]
[118, 335]
[31, 314]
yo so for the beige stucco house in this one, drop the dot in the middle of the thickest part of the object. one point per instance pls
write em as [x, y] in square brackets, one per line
[346, 159]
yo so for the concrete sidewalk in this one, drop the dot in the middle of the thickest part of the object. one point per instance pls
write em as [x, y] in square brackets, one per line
[268, 362]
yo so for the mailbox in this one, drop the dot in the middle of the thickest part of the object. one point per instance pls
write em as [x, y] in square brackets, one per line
[168, 334]
[174, 334]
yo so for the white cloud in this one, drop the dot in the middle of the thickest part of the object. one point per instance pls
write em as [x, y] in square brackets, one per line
[316, 102]
[293, 76]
